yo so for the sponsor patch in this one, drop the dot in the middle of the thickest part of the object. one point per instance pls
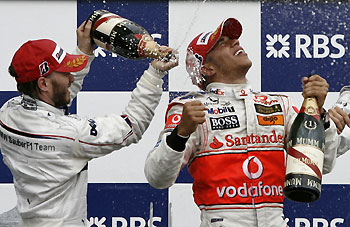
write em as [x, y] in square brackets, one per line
[213, 220]
[211, 101]
[271, 120]
[173, 121]
[59, 54]
[204, 38]
[44, 68]
[215, 144]
[268, 109]
[93, 130]
[222, 110]
[217, 91]
[225, 122]
[263, 99]
[29, 104]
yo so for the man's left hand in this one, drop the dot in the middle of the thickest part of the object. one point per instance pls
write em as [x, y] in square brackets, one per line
[315, 86]
[84, 41]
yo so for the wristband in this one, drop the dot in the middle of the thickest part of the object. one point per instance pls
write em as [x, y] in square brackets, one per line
[175, 141]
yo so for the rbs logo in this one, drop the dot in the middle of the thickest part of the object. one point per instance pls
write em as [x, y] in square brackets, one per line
[317, 46]
[318, 222]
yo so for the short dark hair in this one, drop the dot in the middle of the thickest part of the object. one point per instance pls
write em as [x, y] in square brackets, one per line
[28, 88]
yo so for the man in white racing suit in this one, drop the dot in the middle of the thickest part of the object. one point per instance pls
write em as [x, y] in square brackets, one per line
[231, 138]
[340, 114]
[48, 151]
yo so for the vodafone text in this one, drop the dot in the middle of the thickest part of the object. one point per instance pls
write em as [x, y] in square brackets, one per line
[252, 191]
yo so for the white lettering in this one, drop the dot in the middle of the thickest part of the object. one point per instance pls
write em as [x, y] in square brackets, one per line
[335, 221]
[299, 46]
[299, 221]
[337, 46]
[253, 191]
[267, 190]
[122, 220]
[221, 191]
[141, 222]
[315, 222]
[155, 219]
[233, 193]
[321, 45]
[242, 191]
[134, 222]
[303, 222]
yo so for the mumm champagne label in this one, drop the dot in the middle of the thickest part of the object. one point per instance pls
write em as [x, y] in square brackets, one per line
[305, 149]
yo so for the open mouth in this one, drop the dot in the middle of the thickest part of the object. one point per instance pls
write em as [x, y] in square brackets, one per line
[239, 52]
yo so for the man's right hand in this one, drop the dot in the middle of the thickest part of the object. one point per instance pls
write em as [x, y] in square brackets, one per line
[192, 115]
[165, 65]
[340, 118]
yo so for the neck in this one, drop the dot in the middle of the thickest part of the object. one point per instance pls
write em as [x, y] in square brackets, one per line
[233, 78]
[45, 98]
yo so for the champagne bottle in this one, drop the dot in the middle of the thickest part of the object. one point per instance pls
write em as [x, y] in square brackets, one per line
[123, 37]
[305, 148]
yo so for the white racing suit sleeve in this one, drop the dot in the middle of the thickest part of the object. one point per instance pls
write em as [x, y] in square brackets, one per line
[343, 102]
[331, 141]
[102, 135]
[330, 154]
[79, 76]
[163, 164]
[344, 142]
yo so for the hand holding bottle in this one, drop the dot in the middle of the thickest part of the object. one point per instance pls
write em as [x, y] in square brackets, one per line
[306, 144]
[165, 64]
[315, 86]
[85, 43]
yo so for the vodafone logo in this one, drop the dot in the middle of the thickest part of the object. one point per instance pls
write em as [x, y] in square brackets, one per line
[176, 118]
[248, 167]
[173, 121]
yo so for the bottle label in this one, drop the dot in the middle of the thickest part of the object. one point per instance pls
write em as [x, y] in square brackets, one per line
[304, 159]
[104, 26]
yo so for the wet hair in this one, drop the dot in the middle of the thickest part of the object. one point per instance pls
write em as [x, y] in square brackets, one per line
[28, 88]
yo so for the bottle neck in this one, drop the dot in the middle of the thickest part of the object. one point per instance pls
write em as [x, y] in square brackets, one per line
[310, 106]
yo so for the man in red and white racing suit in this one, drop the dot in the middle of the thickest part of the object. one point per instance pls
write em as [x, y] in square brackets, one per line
[48, 151]
[232, 139]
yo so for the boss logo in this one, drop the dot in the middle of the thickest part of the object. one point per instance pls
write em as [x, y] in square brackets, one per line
[226, 122]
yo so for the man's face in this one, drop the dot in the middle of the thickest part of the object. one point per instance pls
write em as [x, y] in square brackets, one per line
[60, 82]
[229, 57]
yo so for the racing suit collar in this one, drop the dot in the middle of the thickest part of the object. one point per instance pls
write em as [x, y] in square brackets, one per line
[240, 91]
[34, 104]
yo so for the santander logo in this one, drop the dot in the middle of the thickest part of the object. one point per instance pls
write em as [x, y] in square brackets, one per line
[216, 144]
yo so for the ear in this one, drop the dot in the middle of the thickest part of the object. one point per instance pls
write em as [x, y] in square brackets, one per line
[43, 84]
[208, 70]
